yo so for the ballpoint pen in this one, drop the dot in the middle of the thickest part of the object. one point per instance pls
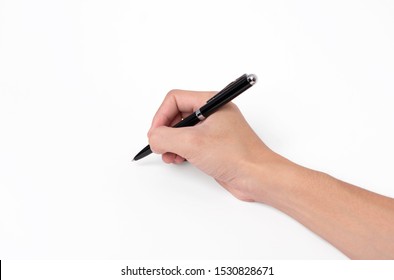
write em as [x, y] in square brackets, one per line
[224, 96]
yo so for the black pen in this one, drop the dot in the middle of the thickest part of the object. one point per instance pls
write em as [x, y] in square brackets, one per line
[221, 98]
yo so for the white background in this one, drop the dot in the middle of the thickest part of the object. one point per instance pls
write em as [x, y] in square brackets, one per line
[81, 80]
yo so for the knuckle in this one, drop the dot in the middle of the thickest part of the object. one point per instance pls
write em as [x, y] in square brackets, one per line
[233, 106]
[172, 93]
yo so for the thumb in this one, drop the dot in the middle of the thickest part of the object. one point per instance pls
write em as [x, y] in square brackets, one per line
[178, 141]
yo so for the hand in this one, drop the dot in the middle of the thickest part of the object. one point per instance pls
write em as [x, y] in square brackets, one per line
[223, 146]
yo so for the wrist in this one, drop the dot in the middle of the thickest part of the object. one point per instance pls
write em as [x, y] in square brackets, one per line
[276, 181]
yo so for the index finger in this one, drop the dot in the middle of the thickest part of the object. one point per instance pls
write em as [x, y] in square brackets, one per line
[178, 104]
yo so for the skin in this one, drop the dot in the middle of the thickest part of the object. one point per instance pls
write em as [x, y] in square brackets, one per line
[358, 222]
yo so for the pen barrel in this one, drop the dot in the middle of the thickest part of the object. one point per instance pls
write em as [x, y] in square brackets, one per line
[226, 95]
[188, 121]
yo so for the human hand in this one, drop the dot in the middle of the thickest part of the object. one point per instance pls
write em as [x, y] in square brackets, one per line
[223, 146]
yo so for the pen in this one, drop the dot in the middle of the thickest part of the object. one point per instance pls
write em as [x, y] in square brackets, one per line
[224, 96]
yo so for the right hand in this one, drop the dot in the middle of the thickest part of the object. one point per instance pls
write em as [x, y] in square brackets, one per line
[223, 146]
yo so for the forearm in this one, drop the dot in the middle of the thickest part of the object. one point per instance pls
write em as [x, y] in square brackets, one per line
[357, 222]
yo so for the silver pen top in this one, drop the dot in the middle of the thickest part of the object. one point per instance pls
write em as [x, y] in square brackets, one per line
[252, 79]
